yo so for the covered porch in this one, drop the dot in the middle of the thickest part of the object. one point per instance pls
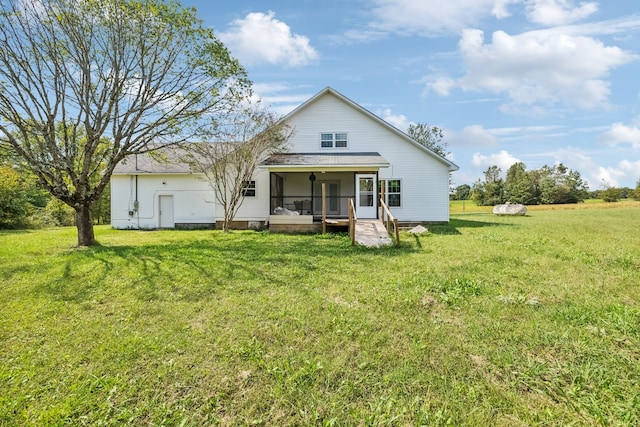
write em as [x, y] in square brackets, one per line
[297, 182]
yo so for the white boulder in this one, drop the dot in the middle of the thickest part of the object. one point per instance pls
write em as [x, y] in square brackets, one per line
[510, 209]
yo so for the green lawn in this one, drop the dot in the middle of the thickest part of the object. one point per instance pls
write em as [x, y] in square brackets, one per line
[489, 320]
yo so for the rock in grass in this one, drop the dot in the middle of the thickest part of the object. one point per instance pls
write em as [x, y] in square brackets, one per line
[418, 230]
[510, 209]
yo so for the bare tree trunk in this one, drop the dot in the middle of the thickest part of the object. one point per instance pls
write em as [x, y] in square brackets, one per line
[84, 223]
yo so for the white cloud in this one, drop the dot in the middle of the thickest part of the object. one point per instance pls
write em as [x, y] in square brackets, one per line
[624, 170]
[537, 67]
[558, 12]
[502, 159]
[500, 8]
[524, 131]
[622, 134]
[474, 136]
[282, 98]
[399, 121]
[592, 172]
[443, 85]
[429, 18]
[261, 38]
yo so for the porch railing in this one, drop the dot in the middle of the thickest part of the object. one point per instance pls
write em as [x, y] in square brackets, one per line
[352, 222]
[390, 220]
[336, 206]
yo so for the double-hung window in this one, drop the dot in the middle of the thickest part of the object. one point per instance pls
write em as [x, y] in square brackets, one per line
[393, 192]
[249, 189]
[333, 140]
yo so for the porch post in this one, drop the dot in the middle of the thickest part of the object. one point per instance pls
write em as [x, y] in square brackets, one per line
[312, 178]
[383, 198]
[324, 209]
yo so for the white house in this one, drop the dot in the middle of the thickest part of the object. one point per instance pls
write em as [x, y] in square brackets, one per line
[356, 154]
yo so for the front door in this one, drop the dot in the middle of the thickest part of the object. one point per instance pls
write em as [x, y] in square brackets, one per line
[166, 212]
[366, 206]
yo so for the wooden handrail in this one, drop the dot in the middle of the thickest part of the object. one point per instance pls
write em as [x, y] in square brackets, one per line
[390, 219]
[352, 221]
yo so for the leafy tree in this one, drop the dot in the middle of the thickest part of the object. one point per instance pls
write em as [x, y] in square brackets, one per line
[559, 185]
[14, 204]
[462, 192]
[611, 194]
[626, 192]
[87, 83]
[491, 191]
[57, 214]
[520, 185]
[429, 136]
[101, 211]
[547, 185]
[636, 193]
[244, 138]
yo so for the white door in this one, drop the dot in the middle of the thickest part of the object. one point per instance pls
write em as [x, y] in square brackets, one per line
[366, 204]
[166, 212]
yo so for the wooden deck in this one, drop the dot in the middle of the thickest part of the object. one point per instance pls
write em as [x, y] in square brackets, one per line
[372, 233]
[341, 222]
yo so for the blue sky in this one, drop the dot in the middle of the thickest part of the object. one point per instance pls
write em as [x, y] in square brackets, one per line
[537, 81]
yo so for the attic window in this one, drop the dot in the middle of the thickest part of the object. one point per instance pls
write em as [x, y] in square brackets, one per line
[333, 140]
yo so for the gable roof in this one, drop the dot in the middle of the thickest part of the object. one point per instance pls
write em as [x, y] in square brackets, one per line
[402, 135]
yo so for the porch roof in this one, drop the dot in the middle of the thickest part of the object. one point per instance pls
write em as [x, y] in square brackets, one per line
[325, 161]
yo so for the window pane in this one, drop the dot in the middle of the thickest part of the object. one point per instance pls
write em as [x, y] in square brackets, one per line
[394, 200]
[326, 140]
[394, 193]
[366, 184]
[366, 199]
[394, 186]
[365, 187]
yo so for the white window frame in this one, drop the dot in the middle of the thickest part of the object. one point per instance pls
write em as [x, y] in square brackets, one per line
[249, 186]
[387, 193]
[336, 137]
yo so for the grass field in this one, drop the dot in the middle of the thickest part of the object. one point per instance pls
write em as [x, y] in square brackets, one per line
[507, 321]
[469, 206]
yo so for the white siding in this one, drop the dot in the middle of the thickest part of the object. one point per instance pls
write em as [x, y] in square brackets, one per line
[193, 200]
[253, 208]
[425, 179]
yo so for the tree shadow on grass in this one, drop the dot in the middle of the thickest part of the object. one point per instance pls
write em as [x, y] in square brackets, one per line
[454, 226]
[193, 270]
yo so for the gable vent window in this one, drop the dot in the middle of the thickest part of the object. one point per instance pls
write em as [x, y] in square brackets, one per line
[333, 140]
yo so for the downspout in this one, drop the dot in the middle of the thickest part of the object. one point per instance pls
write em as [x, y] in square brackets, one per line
[136, 203]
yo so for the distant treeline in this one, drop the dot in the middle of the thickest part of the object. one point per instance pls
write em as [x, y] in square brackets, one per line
[547, 185]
